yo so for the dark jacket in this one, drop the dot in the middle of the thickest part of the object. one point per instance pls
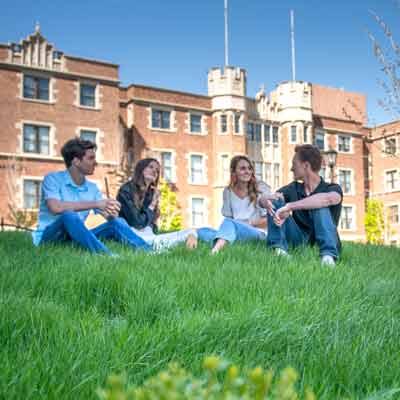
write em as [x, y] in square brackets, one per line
[135, 217]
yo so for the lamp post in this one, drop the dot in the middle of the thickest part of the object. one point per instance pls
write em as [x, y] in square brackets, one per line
[330, 157]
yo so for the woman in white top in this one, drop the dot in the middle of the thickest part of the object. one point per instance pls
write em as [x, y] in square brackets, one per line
[244, 218]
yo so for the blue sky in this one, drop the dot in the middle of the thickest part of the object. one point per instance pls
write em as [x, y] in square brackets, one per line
[173, 43]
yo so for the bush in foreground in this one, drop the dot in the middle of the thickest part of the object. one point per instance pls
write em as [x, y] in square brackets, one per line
[220, 381]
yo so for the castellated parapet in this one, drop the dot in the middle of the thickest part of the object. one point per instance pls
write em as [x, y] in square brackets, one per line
[227, 87]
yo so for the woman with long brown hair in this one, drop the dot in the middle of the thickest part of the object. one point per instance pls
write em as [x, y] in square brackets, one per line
[244, 218]
[139, 198]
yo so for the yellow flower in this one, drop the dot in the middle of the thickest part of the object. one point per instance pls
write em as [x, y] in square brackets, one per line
[211, 363]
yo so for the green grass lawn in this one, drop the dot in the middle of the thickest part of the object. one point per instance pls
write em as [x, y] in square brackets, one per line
[69, 319]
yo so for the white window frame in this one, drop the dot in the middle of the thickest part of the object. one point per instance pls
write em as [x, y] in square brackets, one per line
[353, 226]
[99, 150]
[156, 153]
[323, 132]
[202, 123]
[51, 139]
[291, 141]
[397, 180]
[220, 169]
[272, 135]
[240, 115]
[346, 135]
[190, 209]
[172, 128]
[29, 178]
[387, 206]
[384, 147]
[352, 182]
[96, 95]
[219, 119]
[204, 168]
[51, 88]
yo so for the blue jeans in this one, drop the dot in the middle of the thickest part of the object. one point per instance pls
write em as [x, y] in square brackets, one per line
[69, 227]
[323, 232]
[231, 230]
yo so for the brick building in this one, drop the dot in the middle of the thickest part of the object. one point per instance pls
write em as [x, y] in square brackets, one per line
[48, 97]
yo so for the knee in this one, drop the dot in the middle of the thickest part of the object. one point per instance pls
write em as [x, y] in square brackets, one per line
[118, 222]
[70, 216]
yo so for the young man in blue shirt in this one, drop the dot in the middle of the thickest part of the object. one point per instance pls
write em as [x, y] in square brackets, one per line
[309, 210]
[67, 198]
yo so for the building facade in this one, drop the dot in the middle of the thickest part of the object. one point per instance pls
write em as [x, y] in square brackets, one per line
[48, 97]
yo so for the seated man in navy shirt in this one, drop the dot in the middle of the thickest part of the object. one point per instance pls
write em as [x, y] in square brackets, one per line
[67, 198]
[309, 211]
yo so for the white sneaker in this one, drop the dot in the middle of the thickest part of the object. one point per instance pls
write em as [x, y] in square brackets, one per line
[280, 252]
[328, 261]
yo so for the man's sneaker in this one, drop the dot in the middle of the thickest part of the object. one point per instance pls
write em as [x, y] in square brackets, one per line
[328, 261]
[280, 252]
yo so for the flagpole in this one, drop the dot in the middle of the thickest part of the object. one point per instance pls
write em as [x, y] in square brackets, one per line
[292, 45]
[226, 34]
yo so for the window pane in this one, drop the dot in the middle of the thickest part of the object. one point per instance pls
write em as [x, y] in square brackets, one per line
[224, 126]
[394, 214]
[195, 123]
[196, 168]
[43, 93]
[88, 135]
[305, 134]
[44, 139]
[197, 212]
[29, 87]
[275, 137]
[87, 95]
[257, 133]
[390, 146]
[237, 123]
[250, 131]
[344, 143]
[166, 166]
[319, 140]
[258, 170]
[224, 167]
[30, 142]
[156, 119]
[268, 173]
[165, 119]
[293, 134]
[31, 194]
[345, 181]
[267, 134]
[276, 175]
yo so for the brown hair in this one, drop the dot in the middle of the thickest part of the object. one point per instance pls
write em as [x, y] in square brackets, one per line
[311, 154]
[252, 186]
[139, 186]
[75, 148]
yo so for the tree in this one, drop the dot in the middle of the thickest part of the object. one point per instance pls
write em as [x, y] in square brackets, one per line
[375, 222]
[170, 211]
[387, 52]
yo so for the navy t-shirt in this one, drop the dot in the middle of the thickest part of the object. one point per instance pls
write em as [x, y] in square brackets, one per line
[295, 191]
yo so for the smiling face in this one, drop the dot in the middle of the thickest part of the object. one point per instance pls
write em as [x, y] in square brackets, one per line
[87, 164]
[151, 172]
[243, 171]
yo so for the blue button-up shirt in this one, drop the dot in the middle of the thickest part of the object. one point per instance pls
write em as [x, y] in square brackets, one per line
[60, 186]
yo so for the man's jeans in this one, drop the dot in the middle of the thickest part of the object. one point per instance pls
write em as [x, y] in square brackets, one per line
[231, 230]
[323, 232]
[70, 227]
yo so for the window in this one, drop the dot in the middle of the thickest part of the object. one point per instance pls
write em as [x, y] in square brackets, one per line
[344, 143]
[87, 95]
[275, 135]
[293, 134]
[319, 139]
[166, 165]
[36, 139]
[250, 131]
[257, 133]
[347, 218]
[198, 212]
[276, 175]
[391, 180]
[393, 214]
[88, 135]
[237, 123]
[258, 170]
[322, 173]
[305, 134]
[267, 134]
[224, 123]
[31, 193]
[268, 173]
[196, 169]
[195, 123]
[160, 119]
[390, 146]
[224, 168]
[345, 180]
[36, 88]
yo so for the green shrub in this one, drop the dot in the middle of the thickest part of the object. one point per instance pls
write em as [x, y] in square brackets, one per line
[220, 380]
